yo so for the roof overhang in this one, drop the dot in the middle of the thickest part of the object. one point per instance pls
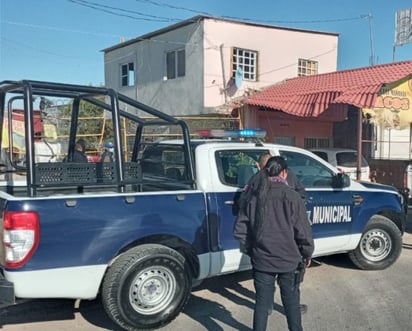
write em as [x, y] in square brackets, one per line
[310, 96]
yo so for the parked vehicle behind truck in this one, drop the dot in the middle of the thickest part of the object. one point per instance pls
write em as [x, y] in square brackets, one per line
[143, 229]
[345, 160]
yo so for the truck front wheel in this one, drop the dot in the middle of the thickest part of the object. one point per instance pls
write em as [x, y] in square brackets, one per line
[379, 246]
[146, 287]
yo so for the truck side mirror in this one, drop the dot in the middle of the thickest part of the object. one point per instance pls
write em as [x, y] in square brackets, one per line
[340, 180]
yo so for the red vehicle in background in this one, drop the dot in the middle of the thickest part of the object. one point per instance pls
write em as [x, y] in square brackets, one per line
[93, 157]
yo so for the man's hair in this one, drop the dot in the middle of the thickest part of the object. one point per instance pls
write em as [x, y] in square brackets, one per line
[275, 165]
[82, 144]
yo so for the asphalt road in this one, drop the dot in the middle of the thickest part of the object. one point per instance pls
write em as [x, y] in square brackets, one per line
[339, 297]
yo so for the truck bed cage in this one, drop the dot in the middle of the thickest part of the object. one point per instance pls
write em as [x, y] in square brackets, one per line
[50, 174]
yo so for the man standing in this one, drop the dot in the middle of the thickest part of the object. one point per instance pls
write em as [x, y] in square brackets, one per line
[274, 230]
[79, 153]
[107, 155]
[292, 180]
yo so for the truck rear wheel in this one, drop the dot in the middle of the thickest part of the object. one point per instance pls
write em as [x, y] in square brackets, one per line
[380, 245]
[146, 287]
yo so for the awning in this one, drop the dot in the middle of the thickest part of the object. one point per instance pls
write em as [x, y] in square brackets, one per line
[310, 96]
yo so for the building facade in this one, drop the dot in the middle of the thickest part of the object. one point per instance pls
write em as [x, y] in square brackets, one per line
[203, 65]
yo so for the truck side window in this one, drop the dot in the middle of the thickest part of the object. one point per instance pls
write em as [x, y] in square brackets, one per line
[236, 167]
[152, 162]
[166, 161]
[174, 163]
[309, 171]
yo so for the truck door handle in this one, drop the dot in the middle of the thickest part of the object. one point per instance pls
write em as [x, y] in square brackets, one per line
[180, 197]
[71, 203]
[229, 202]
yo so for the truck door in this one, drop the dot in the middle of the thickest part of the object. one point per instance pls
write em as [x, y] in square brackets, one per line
[231, 171]
[331, 211]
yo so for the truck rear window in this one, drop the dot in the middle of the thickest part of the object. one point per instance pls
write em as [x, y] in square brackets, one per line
[164, 161]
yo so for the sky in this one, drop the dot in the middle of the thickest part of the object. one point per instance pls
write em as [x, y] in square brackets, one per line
[62, 40]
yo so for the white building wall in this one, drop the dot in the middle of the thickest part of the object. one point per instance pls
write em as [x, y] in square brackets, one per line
[393, 144]
[278, 52]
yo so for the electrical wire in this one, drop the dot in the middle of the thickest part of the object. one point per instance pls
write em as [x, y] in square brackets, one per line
[155, 18]
[54, 28]
[123, 12]
[60, 55]
[166, 5]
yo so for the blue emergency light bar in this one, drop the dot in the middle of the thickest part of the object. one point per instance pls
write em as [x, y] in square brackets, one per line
[235, 134]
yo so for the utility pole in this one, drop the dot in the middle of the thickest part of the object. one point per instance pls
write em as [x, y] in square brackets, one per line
[372, 59]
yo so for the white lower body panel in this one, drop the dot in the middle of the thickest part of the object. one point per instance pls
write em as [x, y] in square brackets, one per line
[217, 263]
[74, 282]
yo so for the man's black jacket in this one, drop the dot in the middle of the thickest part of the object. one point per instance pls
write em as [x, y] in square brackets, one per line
[286, 235]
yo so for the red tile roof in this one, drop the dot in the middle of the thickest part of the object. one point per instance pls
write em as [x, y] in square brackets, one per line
[312, 95]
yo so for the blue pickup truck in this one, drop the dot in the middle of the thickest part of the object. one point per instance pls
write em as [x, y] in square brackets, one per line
[143, 229]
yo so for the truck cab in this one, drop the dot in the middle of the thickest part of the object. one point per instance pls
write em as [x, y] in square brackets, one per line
[338, 208]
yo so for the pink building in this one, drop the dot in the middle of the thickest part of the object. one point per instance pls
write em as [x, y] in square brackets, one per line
[203, 65]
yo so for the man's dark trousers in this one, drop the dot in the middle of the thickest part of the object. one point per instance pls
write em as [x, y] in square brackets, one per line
[265, 289]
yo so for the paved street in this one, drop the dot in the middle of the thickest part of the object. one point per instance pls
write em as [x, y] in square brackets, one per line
[339, 296]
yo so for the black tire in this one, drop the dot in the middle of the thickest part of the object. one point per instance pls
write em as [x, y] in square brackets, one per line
[146, 287]
[379, 246]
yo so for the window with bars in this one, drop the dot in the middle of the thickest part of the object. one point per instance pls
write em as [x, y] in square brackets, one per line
[317, 143]
[307, 67]
[290, 141]
[246, 60]
[127, 74]
[176, 64]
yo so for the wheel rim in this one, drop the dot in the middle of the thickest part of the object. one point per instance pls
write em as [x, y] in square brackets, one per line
[376, 245]
[152, 290]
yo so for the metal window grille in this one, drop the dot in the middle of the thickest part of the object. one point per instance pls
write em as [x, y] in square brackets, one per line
[290, 141]
[317, 142]
[307, 67]
[247, 61]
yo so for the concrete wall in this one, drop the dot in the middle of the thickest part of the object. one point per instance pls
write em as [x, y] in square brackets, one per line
[182, 95]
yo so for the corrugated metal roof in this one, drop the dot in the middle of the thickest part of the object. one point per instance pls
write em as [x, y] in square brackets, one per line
[312, 95]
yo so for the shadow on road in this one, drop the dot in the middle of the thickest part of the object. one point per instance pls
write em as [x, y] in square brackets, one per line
[44, 310]
[37, 311]
[93, 312]
[339, 260]
[206, 311]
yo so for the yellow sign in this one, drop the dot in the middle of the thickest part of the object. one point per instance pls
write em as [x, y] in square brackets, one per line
[393, 106]
[50, 134]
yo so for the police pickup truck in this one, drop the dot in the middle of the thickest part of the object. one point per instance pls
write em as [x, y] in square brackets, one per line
[141, 230]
